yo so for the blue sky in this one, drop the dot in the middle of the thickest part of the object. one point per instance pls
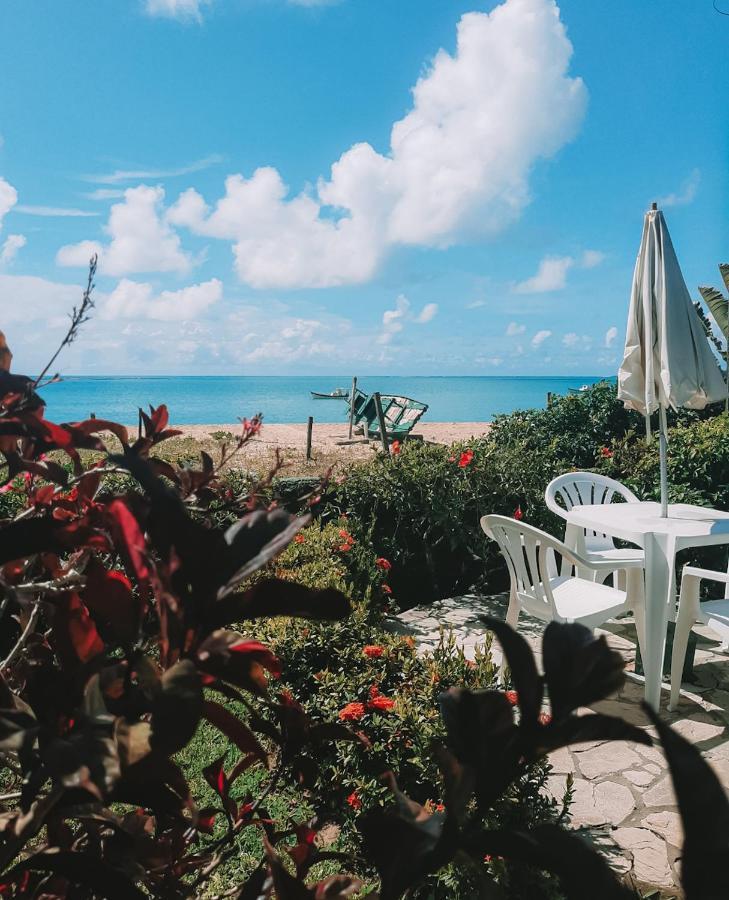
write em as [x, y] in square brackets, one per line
[420, 187]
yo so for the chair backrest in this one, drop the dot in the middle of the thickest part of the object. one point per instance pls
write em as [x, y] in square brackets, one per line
[583, 489]
[530, 555]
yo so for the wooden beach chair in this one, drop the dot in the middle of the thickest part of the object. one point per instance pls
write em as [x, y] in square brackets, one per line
[400, 414]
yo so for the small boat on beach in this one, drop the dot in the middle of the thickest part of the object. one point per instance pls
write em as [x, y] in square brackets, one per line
[336, 394]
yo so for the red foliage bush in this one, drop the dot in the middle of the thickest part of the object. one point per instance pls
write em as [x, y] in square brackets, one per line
[117, 642]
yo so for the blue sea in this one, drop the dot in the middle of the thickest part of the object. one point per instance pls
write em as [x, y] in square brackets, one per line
[207, 400]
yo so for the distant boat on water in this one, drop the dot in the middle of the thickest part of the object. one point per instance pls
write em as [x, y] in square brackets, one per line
[336, 394]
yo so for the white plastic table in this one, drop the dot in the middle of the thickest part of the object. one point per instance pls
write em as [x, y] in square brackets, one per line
[660, 539]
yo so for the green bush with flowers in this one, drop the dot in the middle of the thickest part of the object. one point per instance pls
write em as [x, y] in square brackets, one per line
[372, 680]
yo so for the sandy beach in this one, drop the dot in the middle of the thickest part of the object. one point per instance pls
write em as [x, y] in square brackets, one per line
[326, 449]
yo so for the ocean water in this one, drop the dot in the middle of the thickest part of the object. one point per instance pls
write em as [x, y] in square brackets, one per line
[198, 400]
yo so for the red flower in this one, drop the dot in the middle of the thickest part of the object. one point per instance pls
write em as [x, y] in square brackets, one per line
[354, 800]
[465, 460]
[372, 651]
[383, 564]
[544, 718]
[299, 539]
[518, 514]
[378, 702]
[512, 697]
[344, 548]
[439, 807]
[606, 452]
[352, 712]
[386, 589]
[395, 448]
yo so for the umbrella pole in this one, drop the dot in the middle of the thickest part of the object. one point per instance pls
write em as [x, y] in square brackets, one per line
[663, 447]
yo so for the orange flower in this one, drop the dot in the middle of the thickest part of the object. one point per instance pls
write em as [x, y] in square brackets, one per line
[395, 448]
[299, 539]
[512, 697]
[352, 712]
[344, 548]
[383, 564]
[518, 514]
[354, 800]
[373, 650]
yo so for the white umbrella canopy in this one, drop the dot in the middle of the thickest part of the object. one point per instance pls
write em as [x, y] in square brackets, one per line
[667, 359]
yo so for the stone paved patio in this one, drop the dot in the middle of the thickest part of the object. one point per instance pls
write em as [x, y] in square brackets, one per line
[623, 798]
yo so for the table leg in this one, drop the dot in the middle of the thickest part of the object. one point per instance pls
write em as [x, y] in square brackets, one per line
[660, 554]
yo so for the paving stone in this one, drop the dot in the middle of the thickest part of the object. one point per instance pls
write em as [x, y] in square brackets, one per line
[661, 794]
[697, 729]
[607, 802]
[653, 768]
[561, 761]
[607, 760]
[718, 759]
[639, 777]
[650, 856]
[667, 824]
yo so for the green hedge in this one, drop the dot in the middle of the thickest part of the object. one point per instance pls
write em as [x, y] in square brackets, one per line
[422, 509]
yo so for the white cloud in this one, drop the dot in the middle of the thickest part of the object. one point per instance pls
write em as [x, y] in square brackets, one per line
[540, 337]
[134, 300]
[591, 258]
[459, 162]
[105, 194]
[121, 175]
[11, 246]
[476, 304]
[427, 313]
[551, 276]
[685, 194]
[552, 272]
[513, 328]
[8, 199]
[26, 298]
[393, 320]
[571, 339]
[54, 211]
[141, 240]
[610, 336]
[183, 10]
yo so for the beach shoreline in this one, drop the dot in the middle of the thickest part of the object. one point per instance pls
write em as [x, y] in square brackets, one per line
[327, 435]
[327, 449]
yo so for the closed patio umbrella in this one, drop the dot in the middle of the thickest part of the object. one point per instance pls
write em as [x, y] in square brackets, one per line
[667, 359]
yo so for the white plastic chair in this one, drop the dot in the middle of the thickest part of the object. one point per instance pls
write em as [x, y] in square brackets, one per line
[552, 594]
[587, 488]
[691, 611]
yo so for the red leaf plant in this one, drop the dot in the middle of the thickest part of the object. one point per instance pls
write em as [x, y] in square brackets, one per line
[116, 609]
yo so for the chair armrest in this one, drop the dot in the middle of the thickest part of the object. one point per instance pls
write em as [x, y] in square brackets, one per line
[708, 574]
[606, 565]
